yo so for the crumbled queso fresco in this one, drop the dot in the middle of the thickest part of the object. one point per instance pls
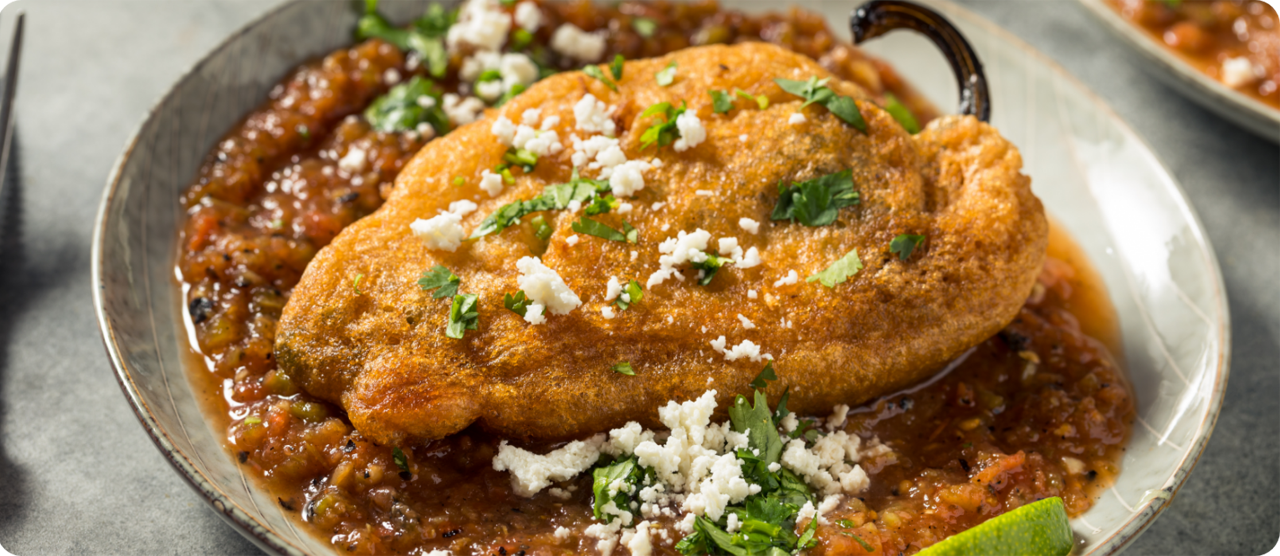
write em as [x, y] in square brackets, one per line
[696, 467]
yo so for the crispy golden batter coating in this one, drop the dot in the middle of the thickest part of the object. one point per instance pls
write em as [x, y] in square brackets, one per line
[383, 355]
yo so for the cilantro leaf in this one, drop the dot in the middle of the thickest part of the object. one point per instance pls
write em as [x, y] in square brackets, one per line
[615, 67]
[425, 37]
[518, 303]
[839, 271]
[629, 472]
[633, 235]
[756, 421]
[721, 102]
[633, 292]
[766, 374]
[463, 316]
[591, 227]
[540, 228]
[399, 110]
[644, 26]
[553, 197]
[666, 76]
[846, 109]
[598, 74]
[441, 279]
[624, 368]
[401, 461]
[904, 245]
[601, 205]
[663, 133]
[815, 91]
[816, 202]
[355, 284]
[709, 267]
[901, 113]
[781, 412]
[806, 540]
[760, 100]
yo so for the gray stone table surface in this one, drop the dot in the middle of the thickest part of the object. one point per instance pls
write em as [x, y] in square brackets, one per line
[79, 475]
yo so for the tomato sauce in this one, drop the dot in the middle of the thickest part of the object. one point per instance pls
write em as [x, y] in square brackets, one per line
[1039, 410]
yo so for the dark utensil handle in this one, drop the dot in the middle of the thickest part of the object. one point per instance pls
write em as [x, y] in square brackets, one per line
[878, 17]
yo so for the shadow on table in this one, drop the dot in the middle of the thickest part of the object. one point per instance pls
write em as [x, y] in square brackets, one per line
[14, 492]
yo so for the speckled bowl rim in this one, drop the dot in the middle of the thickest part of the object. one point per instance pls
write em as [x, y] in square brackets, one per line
[266, 539]
[1241, 109]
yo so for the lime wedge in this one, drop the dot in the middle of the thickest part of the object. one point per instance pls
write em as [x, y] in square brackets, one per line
[1037, 529]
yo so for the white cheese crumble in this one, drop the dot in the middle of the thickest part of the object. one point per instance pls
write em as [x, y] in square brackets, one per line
[624, 208]
[607, 312]
[463, 207]
[443, 231]
[679, 250]
[796, 118]
[691, 131]
[354, 161]
[594, 116]
[571, 240]
[626, 179]
[528, 16]
[790, 279]
[531, 472]
[749, 225]
[705, 193]
[526, 136]
[391, 76]
[544, 288]
[751, 294]
[746, 323]
[481, 25]
[462, 111]
[1238, 72]
[575, 43]
[562, 532]
[490, 182]
[612, 288]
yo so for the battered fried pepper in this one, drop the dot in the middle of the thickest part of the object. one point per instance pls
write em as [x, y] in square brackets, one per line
[381, 351]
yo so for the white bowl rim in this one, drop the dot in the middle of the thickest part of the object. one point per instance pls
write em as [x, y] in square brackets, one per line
[267, 539]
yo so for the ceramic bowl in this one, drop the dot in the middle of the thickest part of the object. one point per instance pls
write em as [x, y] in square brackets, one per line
[1239, 108]
[1098, 179]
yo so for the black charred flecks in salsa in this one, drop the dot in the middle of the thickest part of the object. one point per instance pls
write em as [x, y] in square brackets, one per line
[1039, 410]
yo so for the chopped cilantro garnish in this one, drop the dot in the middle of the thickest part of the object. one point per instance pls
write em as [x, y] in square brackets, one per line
[553, 197]
[624, 368]
[865, 546]
[399, 111]
[760, 100]
[756, 421]
[627, 473]
[709, 267]
[615, 67]
[252, 420]
[633, 292]
[666, 76]
[760, 382]
[904, 245]
[425, 37]
[598, 74]
[818, 201]
[662, 133]
[523, 158]
[591, 227]
[463, 315]
[459, 181]
[721, 102]
[901, 113]
[441, 279]
[540, 228]
[303, 131]
[489, 75]
[601, 205]
[510, 94]
[644, 26]
[518, 303]
[397, 456]
[815, 91]
[633, 235]
[839, 271]
[355, 284]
